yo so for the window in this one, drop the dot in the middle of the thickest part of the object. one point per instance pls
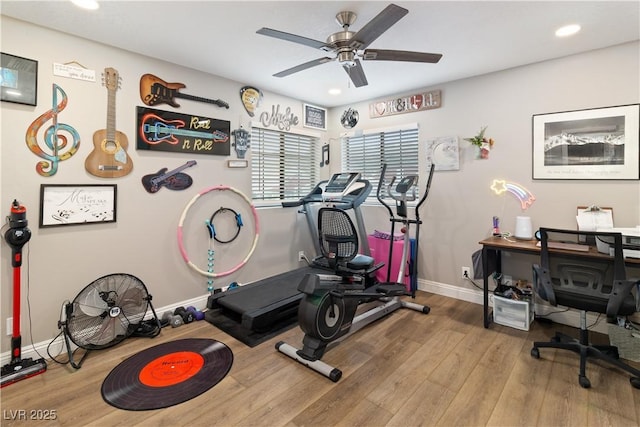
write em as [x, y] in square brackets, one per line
[283, 165]
[366, 153]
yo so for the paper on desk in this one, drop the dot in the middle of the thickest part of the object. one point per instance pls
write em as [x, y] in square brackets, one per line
[594, 219]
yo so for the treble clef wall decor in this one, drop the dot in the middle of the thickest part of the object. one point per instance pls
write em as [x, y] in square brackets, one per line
[53, 138]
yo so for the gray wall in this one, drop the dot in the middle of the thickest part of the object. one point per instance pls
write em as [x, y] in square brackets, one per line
[62, 261]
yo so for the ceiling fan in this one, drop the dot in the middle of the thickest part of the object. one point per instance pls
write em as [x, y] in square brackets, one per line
[349, 46]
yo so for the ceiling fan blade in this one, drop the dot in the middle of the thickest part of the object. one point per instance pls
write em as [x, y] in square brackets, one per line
[294, 38]
[303, 67]
[378, 25]
[400, 55]
[356, 74]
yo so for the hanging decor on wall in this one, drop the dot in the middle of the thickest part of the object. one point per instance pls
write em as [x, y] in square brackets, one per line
[283, 121]
[241, 143]
[69, 204]
[55, 136]
[109, 158]
[483, 143]
[597, 143]
[251, 98]
[314, 117]
[443, 152]
[523, 195]
[74, 70]
[18, 79]
[349, 118]
[155, 91]
[173, 180]
[168, 131]
[405, 104]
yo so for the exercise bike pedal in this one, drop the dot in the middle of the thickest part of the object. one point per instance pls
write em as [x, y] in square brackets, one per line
[392, 289]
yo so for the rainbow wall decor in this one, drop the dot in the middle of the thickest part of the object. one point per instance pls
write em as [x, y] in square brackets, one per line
[522, 194]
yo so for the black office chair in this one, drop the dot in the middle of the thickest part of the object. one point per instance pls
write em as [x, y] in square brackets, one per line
[339, 243]
[591, 286]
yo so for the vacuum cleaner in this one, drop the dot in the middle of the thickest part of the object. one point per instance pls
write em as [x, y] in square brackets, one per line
[16, 237]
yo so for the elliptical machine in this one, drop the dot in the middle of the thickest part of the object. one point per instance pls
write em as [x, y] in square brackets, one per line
[327, 312]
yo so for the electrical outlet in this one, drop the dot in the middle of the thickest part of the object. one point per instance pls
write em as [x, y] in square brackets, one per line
[466, 273]
[301, 256]
[9, 325]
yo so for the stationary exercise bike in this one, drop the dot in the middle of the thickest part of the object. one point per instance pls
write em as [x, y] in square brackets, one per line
[327, 312]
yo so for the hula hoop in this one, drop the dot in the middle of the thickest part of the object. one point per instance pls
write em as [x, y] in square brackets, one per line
[183, 251]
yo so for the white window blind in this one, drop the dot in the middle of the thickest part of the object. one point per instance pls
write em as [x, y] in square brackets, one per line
[367, 153]
[283, 165]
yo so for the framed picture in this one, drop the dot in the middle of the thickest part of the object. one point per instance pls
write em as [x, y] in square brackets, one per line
[443, 152]
[598, 143]
[77, 204]
[314, 117]
[18, 79]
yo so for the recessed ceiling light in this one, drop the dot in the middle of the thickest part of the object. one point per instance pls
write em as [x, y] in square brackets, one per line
[86, 4]
[334, 91]
[567, 30]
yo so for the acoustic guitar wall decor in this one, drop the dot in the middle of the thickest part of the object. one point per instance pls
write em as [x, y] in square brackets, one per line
[109, 158]
[154, 91]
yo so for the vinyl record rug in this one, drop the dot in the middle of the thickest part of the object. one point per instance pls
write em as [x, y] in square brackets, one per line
[167, 374]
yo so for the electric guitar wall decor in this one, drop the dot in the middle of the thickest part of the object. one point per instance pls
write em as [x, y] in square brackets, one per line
[154, 91]
[109, 158]
[173, 180]
[155, 130]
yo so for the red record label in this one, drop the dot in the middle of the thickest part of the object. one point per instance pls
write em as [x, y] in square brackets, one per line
[170, 369]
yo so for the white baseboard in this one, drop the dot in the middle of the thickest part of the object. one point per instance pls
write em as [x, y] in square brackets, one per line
[570, 317]
[38, 350]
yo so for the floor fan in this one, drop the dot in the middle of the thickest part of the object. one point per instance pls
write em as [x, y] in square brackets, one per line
[104, 313]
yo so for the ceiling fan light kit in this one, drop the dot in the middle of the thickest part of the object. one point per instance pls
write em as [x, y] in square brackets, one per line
[349, 46]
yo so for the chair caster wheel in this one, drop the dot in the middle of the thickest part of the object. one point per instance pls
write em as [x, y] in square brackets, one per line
[535, 353]
[584, 382]
[635, 382]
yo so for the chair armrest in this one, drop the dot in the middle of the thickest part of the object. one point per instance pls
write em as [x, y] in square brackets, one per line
[621, 289]
[542, 284]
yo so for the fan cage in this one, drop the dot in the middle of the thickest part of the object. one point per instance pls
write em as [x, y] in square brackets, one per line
[107, 311]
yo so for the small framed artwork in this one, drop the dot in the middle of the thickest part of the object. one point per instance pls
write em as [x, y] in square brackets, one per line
[592, 144]
[314, 117]
[18, 79]
[443, 153]
[70, 204]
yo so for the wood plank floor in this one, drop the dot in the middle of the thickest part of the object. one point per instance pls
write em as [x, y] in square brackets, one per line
[409, 369]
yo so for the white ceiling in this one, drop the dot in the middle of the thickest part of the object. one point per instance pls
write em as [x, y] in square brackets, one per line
[219, 37]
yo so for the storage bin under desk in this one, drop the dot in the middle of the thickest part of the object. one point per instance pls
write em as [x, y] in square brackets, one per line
[513, 313]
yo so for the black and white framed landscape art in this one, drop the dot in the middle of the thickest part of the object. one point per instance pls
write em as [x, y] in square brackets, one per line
[596, 144]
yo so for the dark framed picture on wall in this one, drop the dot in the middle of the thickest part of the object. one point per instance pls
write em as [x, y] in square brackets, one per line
[314, 117]
[592, 144]
[70, 204]
[18, 79]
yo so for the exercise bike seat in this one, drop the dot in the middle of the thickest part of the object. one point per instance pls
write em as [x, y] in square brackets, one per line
[360, 262]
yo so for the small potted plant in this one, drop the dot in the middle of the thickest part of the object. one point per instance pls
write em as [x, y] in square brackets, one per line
[483, 143]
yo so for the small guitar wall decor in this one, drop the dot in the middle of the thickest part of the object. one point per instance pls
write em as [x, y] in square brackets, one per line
[154, 91]
[159, 130]
[173, 180]
[53, 138]
[109, 158]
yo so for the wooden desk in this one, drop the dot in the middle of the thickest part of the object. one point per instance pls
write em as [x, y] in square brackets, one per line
[499, 245]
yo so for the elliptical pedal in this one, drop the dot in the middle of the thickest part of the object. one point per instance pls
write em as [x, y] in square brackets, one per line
[392, 289]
